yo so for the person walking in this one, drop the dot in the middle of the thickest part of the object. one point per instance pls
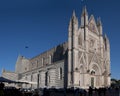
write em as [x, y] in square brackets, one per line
[1, 89]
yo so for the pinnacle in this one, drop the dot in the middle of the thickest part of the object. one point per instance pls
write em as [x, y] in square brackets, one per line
[84, 11]
[73, 15]
[99, 21]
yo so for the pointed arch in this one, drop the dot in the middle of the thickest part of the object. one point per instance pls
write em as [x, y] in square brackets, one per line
[81, 68]
[95, 67]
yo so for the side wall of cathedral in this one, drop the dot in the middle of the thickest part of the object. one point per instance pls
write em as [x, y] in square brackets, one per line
[44, 70]
[49, 76]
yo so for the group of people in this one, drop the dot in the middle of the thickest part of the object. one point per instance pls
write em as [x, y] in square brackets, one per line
[12, 91]
[111, 91]
[1, 89]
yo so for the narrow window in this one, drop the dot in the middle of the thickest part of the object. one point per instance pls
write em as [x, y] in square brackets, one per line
[61, 73]
[46, 79]
[49, 79]
[42, 61]
[49, 59]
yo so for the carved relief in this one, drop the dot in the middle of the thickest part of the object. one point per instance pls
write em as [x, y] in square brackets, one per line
[85, 57]
[92, 27]
[95, 59]
[92, 43]
[79, 54]
[81, 61]
[90, 57]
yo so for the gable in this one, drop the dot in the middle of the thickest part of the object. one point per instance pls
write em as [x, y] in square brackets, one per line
[92, 25]
[94, 59]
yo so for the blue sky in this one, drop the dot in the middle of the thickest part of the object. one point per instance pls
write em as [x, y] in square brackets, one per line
[43, 24]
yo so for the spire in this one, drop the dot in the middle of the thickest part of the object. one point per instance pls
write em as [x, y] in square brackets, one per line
[74, 18]
[84, 11]
[105, 36]
[84, 17]
[73, 24]
[70, 27]
[106, 40]
[73, 15]
[99, 23]
[99, 26]
[3, 70]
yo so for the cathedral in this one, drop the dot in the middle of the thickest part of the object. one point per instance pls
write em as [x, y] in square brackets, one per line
[80, 62]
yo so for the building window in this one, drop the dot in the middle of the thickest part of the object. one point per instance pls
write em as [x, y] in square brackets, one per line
[39, 78]
[31, 79]
[46, 79]
[49, 59]
[42, 61]
[60, 73]
[38, 81]
[37, 62]
[49, 79]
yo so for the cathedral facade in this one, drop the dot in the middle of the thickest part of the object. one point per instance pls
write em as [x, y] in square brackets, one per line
[82, 61]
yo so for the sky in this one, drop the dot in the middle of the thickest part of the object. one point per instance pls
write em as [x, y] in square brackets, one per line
[43, 24]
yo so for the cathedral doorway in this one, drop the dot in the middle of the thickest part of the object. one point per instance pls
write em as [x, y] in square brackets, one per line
[92, 79]
[92, 82]
[95, 80]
